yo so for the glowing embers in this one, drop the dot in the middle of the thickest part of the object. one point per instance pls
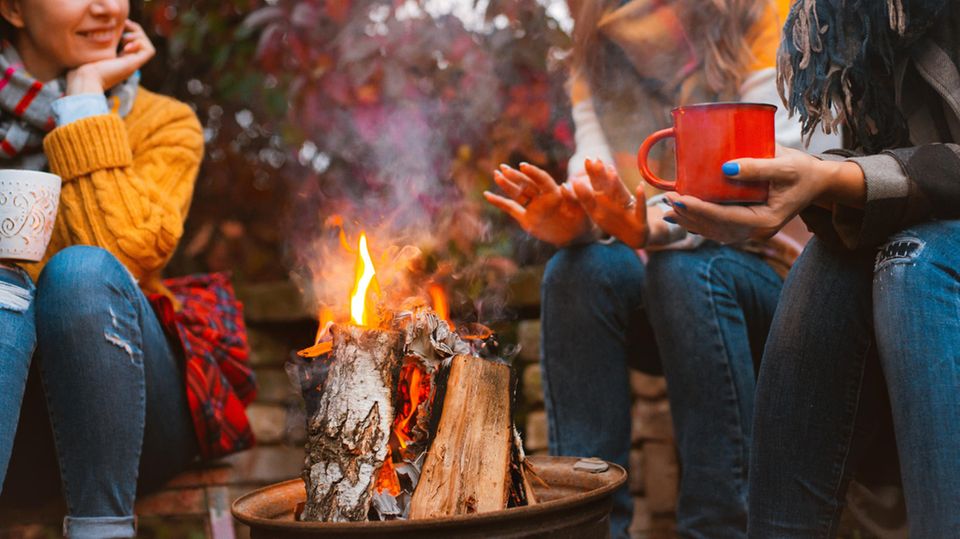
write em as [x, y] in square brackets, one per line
[387, 480]
[409, 440]
[415, 393]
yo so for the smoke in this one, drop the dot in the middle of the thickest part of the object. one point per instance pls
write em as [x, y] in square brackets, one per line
[403, 164]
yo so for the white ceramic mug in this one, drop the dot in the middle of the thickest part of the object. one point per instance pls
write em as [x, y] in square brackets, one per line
[28, 209]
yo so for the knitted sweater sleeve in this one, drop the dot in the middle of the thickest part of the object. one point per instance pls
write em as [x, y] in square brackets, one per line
[129, 197]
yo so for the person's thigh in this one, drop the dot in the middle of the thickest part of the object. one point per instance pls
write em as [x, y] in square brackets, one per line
[818, 387]
[18, 339]
[705, 305]
[169, 438]
[591, 297]
[111, 381]
[916, 291]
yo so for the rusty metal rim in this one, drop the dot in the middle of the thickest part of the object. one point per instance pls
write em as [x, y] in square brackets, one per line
[567, 502]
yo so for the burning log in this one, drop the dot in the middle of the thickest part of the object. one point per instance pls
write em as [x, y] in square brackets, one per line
[467, 467]
[404, 419]
[348, 434]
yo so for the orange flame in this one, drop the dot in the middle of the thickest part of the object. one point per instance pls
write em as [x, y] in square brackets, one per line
[387, 479]
[360, 311]
[326, 318]
[319, 348]
[416, 391]
[439, 298]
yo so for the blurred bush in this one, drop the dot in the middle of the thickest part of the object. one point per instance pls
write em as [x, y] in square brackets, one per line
[315, 107]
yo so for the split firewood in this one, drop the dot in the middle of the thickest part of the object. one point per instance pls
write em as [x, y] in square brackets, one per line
[347, 438]
[467, 466]
[521, 471]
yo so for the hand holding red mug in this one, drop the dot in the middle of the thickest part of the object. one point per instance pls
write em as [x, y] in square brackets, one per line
[796, 180]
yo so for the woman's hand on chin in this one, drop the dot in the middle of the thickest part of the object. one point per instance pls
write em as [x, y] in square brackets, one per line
[547, 211]
[797, 180]
[610, 205]
[96, 77]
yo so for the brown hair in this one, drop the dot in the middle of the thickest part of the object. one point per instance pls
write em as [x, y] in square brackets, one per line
[720, 30]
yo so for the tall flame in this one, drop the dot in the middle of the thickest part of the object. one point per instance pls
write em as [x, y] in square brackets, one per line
[359, 312]
[439, 298]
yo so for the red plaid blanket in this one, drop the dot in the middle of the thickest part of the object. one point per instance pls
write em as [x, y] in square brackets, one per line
[219, 381]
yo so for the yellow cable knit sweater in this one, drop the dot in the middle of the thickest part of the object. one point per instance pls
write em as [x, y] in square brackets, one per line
[127, 183]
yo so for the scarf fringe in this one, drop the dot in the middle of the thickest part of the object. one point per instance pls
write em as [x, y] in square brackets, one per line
[835, 64]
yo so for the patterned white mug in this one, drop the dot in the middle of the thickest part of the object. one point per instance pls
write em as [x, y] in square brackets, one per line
[28, 209]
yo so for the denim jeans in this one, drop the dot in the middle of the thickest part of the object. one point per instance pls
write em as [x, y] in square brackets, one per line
[18, 340]
[709, 308]
[854, 330]
[113, 384]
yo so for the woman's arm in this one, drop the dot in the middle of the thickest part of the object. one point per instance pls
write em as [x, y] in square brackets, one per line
[900, 188]
[129, 200]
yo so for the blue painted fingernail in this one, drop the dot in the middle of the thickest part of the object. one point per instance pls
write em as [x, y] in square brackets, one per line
[730, 168]
[670, 220]
[679, 205]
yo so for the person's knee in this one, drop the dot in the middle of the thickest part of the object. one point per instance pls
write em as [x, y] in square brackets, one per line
[588, 269]
[77, 274]
[679, 275]
[908, 263]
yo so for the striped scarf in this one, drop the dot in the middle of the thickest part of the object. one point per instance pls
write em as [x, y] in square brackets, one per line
[26, 114]
[836, 64]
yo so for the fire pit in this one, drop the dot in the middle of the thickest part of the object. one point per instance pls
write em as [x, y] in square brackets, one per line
[573, 504]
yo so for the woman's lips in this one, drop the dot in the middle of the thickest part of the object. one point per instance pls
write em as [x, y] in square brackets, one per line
[102, 37]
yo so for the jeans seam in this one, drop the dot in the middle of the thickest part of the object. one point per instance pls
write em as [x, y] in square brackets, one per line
[56, 439]
[833, 520]
[553, 426]
[729, 376]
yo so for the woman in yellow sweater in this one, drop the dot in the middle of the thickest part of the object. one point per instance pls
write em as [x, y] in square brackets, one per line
[128, 158]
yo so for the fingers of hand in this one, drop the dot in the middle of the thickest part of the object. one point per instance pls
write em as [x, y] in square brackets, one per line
[640, 204]
[694, 208]
[584, 192]
[136, 41]
[540, 177]
[509, 188]
[760, 170]
[509, 206]
[519, 178]
[598, 174]
[606, 180]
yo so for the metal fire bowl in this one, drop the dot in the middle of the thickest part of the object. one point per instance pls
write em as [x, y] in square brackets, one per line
[575, 504]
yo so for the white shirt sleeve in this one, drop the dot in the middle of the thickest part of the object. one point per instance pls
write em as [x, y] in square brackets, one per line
[589, 138]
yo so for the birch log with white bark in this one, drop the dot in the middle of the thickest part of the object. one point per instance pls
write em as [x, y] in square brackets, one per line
[347, 438]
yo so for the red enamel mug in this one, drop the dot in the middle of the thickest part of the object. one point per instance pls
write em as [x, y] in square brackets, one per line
[707, 136]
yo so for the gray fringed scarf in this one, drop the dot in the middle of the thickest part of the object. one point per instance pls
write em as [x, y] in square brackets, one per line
[836, 63]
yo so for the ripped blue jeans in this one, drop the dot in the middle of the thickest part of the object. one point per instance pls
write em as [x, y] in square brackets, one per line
[854, 331]
[113, 384]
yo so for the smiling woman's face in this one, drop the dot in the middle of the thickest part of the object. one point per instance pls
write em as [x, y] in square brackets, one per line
[58, 35]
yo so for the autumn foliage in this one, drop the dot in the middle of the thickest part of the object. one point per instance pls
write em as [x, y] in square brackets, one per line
[317, 107]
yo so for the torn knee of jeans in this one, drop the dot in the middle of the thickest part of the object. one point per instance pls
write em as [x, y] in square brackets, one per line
[16, 298]
[902, 250]
[120, 343]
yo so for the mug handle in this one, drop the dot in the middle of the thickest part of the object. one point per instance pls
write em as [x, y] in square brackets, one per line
[652, 178]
